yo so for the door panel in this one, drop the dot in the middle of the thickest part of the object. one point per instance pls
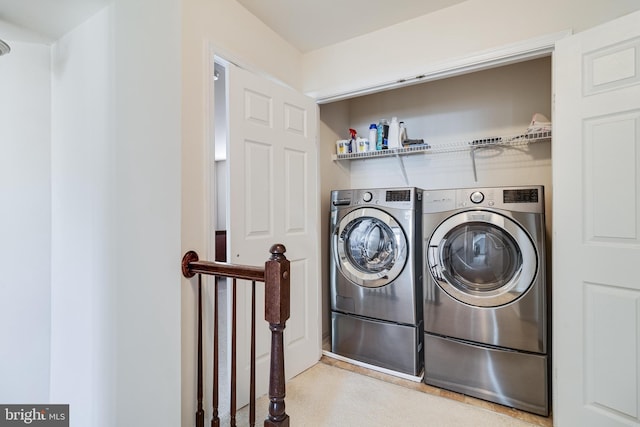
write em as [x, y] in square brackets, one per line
[257, 192]
[611, 66]
[614, 390]
[596, 159]
[600, 159]
[296, 213]
[273, 198]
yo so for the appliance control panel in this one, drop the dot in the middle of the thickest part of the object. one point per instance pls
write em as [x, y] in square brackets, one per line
[438, 201]
[517, 199]
[404, 198]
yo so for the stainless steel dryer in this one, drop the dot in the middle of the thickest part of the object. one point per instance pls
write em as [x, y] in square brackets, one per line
[485, 294]
[376, 277]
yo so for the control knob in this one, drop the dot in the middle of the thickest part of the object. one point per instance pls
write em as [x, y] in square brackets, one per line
[477, 197]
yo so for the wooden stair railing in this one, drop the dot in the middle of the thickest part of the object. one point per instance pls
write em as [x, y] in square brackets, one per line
[275, 276]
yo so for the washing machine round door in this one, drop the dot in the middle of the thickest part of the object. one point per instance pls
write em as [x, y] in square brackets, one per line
[482, 258]
[370, 247]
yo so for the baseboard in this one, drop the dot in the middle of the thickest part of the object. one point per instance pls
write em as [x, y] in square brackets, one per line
[417, 379]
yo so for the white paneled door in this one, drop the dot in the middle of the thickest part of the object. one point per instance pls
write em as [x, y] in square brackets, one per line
[596, 200]
[273, 198]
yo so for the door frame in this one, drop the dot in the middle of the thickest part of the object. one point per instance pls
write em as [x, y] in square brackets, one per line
[525, 50]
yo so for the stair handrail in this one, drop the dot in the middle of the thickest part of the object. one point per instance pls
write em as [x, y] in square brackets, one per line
[276, 277]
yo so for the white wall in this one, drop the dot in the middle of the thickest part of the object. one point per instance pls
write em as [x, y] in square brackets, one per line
[82, 277]
[90, 249]
[147, 143]
[116, 215]
[424, 43]
[25, 222]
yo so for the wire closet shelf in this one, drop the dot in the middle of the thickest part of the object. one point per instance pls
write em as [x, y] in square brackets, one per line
[501, 141]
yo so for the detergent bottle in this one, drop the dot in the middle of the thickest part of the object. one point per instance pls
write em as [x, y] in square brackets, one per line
[394, 133]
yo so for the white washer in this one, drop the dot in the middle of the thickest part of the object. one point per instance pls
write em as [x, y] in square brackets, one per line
[485, 294]
[376, 277]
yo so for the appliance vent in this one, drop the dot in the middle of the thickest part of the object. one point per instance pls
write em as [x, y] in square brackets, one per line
[399, 196]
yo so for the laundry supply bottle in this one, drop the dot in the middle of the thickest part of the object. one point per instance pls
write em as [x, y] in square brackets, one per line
[352, 141]
[373, 136]
[403, 134]
[394, 133]
[383, 134]
[362, 145]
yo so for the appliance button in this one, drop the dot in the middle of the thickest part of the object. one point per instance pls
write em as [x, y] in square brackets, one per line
[477, 197]
[367, 197]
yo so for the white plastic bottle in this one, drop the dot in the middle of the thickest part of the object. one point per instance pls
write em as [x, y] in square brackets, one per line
[394, 133]
[373, 136]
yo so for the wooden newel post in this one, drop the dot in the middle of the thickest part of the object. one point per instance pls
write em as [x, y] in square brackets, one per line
[277, 311]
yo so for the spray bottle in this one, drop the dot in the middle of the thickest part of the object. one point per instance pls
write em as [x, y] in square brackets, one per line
[352, 140]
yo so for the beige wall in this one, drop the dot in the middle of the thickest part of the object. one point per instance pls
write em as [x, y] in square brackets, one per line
[416, 46]
[225, 28]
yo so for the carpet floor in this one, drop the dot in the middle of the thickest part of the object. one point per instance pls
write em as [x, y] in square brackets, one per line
[329, 395]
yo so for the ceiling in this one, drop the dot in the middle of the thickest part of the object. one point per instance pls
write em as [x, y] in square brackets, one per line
[50, 19]
[306, 24]
[312, 24]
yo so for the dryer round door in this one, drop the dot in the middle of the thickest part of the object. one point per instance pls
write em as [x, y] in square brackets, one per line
[482, 258]
[370, 247]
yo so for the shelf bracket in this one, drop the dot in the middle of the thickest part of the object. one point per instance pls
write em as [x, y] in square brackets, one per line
[473, 162]
[402, 168]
